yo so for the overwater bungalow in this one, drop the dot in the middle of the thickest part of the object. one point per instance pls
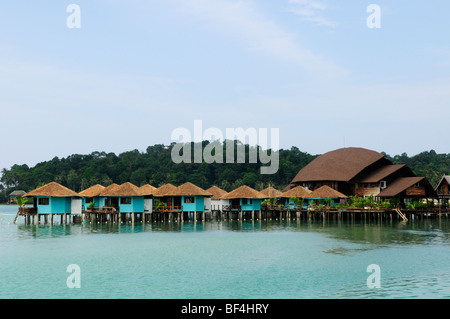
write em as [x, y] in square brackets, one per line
[90, 197]
[15, 194]
[216, 202]
[147, 191]
[245, 198]
[271, 192]
[105, 200]
[190, 197]
[127, 196]
[163, 201]
[325, 195]
[443, 188]
[295, 197]
[54, 198]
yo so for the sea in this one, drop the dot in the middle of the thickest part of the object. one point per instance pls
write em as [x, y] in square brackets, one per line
[275, 259]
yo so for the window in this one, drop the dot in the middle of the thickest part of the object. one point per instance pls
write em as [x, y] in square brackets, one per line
[43, 201]
[125, 200]
[189, 200]
[246, 201]
[89, 200]
[383, 184]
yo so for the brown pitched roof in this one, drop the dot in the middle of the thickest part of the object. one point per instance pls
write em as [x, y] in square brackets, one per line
[298, 191]
[244, 192]
[383, 172]
[92, 191]
[401, 184]
[147, 189]
[326, 192]
[163, 190]
[271, 192]
[338, 165]
[188, 189]
[108, 189]
[216, 192]
[445, 178]
[126, 189]
[52, 189]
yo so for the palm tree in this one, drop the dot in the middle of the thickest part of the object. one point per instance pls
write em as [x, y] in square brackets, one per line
[20, 201]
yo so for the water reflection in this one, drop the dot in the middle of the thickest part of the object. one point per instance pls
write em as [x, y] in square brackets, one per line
[382, 234]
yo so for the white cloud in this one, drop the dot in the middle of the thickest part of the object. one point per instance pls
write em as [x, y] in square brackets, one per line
[311, 10]
[244, 22]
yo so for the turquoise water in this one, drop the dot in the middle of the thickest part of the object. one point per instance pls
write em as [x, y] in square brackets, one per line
[267, 259]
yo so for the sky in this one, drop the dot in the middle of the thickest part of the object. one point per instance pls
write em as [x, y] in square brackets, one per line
[117, 75]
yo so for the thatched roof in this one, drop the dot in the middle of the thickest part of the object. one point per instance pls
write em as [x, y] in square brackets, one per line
[403, 183]
[107, 190]
[271, 192]
[126, 189]
[147, 189]
[216, 192]
[299, 192]
[288, 187]
[163, 190]
[92, 191]
[244, 192]
[17, 193]
[188, 189]
[339, 165]
[326, 192]
[52, 189]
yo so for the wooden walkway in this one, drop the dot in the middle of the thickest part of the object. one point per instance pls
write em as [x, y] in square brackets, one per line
[110, 215]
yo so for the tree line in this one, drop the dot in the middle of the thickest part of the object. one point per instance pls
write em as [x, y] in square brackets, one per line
[155, 167]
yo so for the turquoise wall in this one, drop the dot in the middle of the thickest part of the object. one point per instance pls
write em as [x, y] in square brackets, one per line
[136, 206]
[255, 204]
[44, 209]
[198, 204]
[57, 205]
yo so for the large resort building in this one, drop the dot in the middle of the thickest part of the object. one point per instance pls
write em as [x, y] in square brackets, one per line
[362, 172]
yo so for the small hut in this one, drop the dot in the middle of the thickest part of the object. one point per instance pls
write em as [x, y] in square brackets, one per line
[190, 197]
[147, 191]
[128, 197]
[320, 196]
[271, 192]
[162, 195]
[443, 188]
[91, 195]
[245, 198]
[216, 202]
[54, 198]
[290, 197]
[14, 194]
[106, 200]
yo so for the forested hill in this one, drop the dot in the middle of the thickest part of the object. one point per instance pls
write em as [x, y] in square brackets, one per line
[155, 166]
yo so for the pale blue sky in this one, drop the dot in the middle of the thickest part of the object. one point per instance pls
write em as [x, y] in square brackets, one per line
[137, 70]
